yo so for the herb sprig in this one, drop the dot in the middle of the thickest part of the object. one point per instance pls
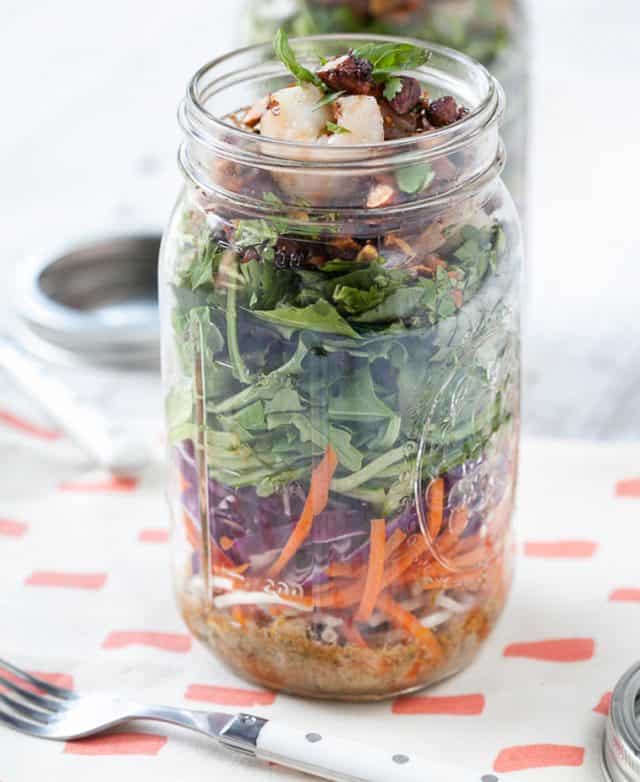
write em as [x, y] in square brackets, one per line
[287, 56]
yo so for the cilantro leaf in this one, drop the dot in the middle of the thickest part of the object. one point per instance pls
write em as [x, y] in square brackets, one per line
[328, 98]
[415, 179]
[392, 87]
[388, 57]
[333, 128]
[286, 55]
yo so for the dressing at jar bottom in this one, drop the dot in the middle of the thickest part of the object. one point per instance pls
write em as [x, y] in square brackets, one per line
[280, 655]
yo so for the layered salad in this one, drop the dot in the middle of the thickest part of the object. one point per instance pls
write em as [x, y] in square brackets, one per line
[343, 410]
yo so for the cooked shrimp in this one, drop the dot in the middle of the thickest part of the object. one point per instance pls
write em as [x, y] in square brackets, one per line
[292, 114]
[361, 116]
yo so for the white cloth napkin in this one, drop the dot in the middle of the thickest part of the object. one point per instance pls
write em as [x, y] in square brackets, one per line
[86, 598]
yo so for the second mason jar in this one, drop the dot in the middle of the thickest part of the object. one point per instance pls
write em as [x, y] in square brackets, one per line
[341, 367]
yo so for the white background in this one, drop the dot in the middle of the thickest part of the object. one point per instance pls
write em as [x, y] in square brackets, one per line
[88, 138]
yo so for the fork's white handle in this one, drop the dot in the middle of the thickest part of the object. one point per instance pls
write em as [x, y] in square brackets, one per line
[347, 761]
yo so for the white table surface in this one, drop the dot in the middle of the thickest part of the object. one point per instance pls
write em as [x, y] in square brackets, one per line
[88, 141]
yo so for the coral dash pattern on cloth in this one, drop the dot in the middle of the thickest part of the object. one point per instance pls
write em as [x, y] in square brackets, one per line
[86, 600]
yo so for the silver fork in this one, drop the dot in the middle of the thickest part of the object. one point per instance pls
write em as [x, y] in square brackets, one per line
[63, 715]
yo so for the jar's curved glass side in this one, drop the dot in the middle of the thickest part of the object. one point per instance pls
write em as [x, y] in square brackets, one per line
[277, 391]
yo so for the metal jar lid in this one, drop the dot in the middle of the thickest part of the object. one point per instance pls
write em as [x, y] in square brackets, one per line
[621, 751]
[93, 302]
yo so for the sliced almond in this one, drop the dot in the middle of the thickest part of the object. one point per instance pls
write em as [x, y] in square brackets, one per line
[380, 195]
[254, 114]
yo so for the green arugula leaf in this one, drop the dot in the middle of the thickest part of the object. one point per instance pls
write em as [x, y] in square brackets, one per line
[251, 233]
[286, 55]
[415, 179]
[357, 399]
[333, 128]
[319, 316]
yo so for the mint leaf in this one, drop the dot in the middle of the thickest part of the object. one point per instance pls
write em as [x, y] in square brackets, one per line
[414, 179]
[333, 128]
[392, 87]
[286, 55]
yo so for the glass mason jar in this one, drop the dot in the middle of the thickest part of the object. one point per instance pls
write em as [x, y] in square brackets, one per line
[340, 338]
[495, 32]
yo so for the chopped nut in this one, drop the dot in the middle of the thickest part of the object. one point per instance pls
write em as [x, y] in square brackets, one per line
[380, 195]
[407, 98]
[349, 73]
[368, 254]
[345, 247]
[254, 114]
[391, 240]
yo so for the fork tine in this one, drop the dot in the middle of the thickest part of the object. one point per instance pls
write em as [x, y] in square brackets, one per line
[35, 715]
[21, 725]
[42, 702]
[51, 689]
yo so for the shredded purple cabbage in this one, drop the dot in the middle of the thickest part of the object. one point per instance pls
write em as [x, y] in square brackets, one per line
[260, 526]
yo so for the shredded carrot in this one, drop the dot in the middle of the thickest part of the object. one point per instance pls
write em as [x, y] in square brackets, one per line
[238, 615]
[458, 521]
[343, 570]
[226, 543]
[407, 621]
[474, 557]
[375, 571]
[315, 503]
[352, 634]
[435, 507]
[346, 570]
[184, 484]
[218, 557]
[339, 597]
[193, 536]
[395, 541]
[397, 566]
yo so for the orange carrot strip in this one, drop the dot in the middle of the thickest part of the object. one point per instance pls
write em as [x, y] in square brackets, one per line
[346, 570]
[407, 621]
[315, 503]
[396, 567]
[339, 597]
[226, 543]
[474, 557]
[343, 570]
[395, 541]
[458, 521]
[193, 536]
[375, 572]
[352, 634]
[238, 615]
[218, 557]
[435, 507]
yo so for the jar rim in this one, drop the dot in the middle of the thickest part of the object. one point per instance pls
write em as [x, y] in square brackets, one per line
[209, 129]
